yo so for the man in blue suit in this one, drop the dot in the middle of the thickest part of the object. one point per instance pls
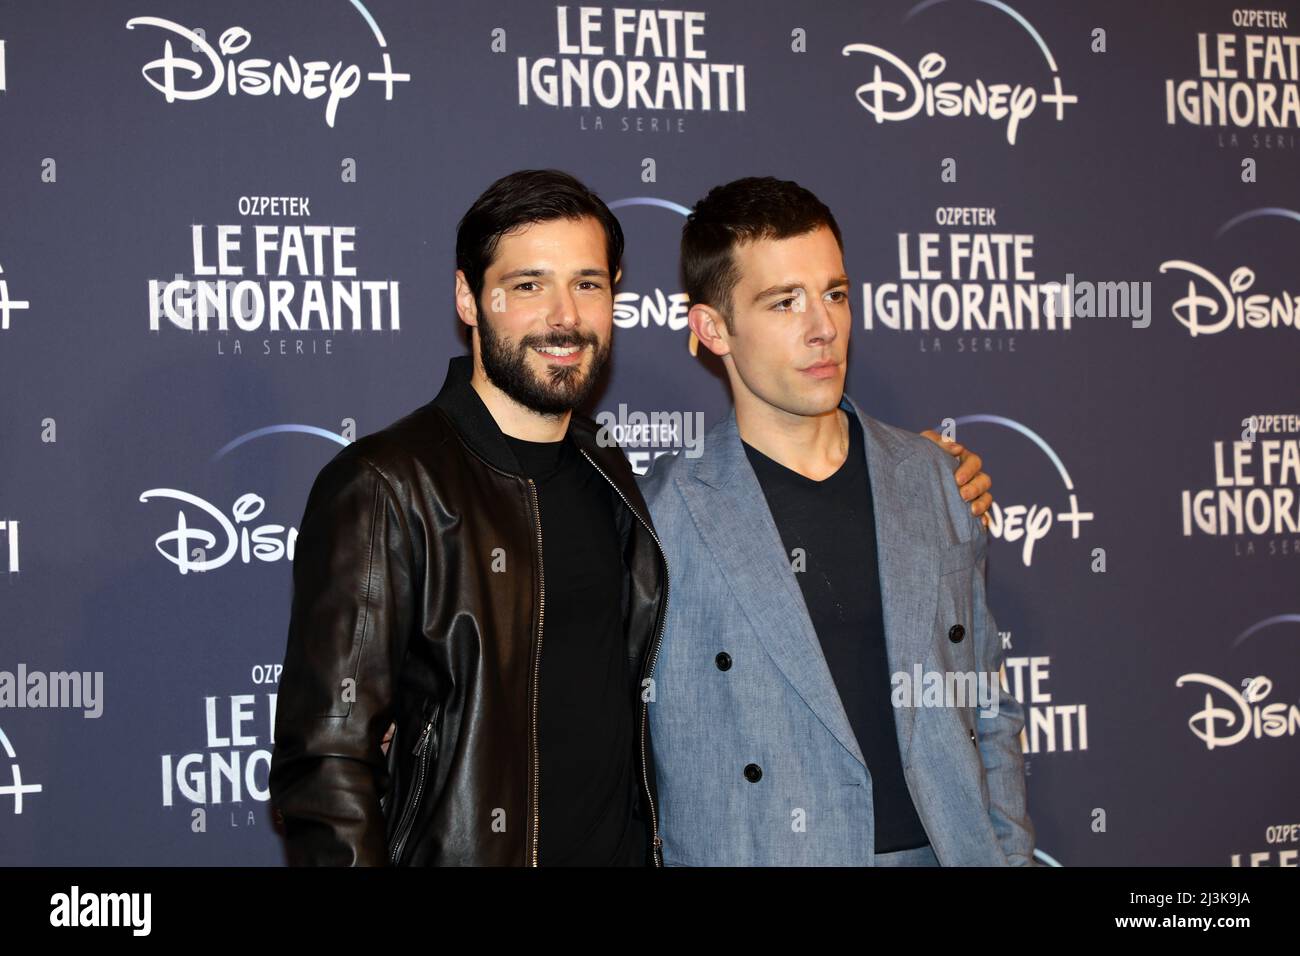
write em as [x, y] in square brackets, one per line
[821, 565]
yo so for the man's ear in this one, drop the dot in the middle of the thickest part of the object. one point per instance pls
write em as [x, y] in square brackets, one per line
[618, 276]
[466, 307]
[709, 328]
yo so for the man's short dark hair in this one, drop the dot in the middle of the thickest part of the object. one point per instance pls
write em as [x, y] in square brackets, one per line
[523, 197]
[744, 210]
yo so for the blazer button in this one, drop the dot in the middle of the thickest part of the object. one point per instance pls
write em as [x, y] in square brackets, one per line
[972, 738]
[956, 633]
[753, 773]
[723, 660]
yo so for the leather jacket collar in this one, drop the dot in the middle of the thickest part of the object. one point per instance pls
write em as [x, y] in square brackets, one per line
[471, 417]
[479, 430]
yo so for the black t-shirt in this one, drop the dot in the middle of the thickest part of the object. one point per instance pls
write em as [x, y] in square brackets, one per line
[833, 521]
[586, 713]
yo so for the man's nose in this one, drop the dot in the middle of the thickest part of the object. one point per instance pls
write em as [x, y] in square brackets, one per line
[564, 314]
[821, 330]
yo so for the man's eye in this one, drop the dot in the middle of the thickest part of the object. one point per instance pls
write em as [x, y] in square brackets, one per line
[843, 296]
[593, 284]
[781, 305]
[522, 284]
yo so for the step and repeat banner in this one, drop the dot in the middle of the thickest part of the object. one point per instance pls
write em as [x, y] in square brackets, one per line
[226, 250]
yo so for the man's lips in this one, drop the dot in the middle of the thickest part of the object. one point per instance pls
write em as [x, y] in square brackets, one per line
[826, 369]
[560, 354]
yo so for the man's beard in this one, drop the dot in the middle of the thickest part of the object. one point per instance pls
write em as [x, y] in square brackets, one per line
[564, 387]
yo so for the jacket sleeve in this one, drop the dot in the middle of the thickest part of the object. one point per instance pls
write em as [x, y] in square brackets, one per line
[999, 737]
[349, 617]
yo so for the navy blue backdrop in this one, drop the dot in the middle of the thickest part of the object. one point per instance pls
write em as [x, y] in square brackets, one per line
[226, 249]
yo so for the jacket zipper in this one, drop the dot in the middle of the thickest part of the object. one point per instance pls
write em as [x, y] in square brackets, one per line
[537, 666]
[421, 750]
[650, 664]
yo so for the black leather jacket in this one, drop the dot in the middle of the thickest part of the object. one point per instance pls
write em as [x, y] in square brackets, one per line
[418, 599]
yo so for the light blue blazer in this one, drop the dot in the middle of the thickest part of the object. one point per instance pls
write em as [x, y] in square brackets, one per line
[733, 590]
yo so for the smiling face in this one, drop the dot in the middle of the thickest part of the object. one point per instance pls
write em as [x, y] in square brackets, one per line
[790, 312]
[547, 311]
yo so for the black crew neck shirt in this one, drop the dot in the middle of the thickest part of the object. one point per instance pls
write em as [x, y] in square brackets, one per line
[833, 521]
[586, 714]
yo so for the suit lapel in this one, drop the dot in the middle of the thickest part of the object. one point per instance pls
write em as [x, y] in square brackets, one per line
[727, 504]
[909, 571]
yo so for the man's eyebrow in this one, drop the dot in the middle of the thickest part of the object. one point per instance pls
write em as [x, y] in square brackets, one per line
[536, 273]
[789, 287]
